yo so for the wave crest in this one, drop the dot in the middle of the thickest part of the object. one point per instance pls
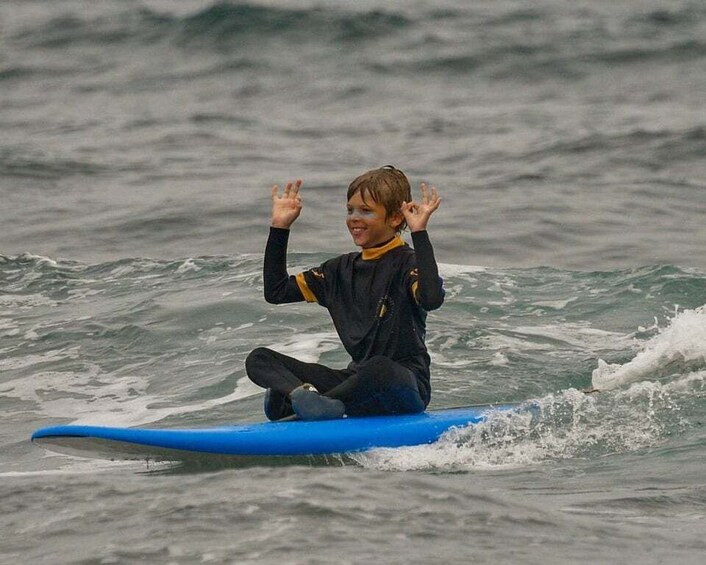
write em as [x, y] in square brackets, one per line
[679, 348]
[221, 23]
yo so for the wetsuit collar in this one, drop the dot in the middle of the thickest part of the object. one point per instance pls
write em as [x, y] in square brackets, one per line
[373, 253]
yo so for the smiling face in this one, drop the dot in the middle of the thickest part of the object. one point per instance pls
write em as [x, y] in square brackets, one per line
[369, 223]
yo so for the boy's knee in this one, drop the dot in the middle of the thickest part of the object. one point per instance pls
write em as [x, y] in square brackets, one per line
[256, 357]
[382, 372]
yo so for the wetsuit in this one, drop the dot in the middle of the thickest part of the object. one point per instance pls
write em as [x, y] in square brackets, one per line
[378, 300]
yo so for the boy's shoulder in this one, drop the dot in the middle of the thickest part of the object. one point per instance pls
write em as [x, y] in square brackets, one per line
[403, 253]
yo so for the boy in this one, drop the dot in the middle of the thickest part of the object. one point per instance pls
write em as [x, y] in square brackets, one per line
[378, 300]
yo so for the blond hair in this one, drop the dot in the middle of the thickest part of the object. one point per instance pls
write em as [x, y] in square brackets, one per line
[387, 186]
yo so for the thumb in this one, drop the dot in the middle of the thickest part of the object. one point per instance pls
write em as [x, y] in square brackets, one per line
[408, 207]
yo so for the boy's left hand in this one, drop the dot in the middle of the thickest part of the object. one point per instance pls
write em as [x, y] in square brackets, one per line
[417, 213]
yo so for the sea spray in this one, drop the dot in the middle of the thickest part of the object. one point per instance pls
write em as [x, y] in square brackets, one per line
[679, 347]
[562, 426]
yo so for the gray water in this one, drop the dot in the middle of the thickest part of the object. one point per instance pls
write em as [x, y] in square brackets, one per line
[138, 145]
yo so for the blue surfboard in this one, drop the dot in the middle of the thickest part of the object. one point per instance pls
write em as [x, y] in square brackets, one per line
[263, 439]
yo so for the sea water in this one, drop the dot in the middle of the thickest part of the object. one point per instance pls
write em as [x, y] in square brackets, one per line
[138, 144]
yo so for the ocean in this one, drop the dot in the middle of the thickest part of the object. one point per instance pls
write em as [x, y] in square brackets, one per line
[139, 141]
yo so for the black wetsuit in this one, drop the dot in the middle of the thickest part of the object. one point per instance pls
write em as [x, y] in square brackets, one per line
[378, 300]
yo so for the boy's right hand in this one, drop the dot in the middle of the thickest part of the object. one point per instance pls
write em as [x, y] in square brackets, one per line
[287, 206]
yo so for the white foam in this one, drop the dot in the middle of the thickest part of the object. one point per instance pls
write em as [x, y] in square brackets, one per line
[25, 301]
[140, 412]
[31, 335]
[576, 335]
[566, 425]
[8, 328]
[503, 441]
[93, 397]
[122, 270]
[499, 360]
[524, 339]
[452, 270]
[679, 348]
[71, 465]
[52, 356]
[188, 266]
[555, 304]
[26, 256]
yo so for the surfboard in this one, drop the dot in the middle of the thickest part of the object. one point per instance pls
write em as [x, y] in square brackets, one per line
[263, 439]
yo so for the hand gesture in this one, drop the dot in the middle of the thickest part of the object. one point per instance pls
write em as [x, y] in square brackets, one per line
[286, 207]
[417, 213]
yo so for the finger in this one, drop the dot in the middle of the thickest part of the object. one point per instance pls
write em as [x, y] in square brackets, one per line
[433, 206]
[275, 192]
[426, 194]
[295, 188]
[435, 200]
[287, 189]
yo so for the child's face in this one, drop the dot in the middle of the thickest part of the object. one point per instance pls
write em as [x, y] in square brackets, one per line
[368, 222]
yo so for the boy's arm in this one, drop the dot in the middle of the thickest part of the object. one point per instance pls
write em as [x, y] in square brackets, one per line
[279, 286]
[430, 290]
[429, 293]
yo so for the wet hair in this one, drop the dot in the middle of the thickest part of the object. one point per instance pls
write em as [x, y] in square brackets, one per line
[387, 186]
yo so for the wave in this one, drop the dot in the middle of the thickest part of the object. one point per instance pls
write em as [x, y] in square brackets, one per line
[23, 164]
[642, 404]
[22, 72]
[686, 15]
[562, 426]
[114, 29]
[221, 24]
[225, 20]
[552, 57]
[678, 349]
[534, 44]
[520, 44]
[651, 147]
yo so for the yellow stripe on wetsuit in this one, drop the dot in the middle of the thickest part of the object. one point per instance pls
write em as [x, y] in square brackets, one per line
[308, 295]
[415, 291]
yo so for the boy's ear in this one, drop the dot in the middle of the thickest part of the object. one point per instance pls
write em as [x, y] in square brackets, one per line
[396, 220]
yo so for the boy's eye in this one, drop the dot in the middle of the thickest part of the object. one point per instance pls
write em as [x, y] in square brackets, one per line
[361, 212]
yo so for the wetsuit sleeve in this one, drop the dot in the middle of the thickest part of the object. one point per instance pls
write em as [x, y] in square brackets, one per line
[427, 285]
[315, 283]
[280, 287]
